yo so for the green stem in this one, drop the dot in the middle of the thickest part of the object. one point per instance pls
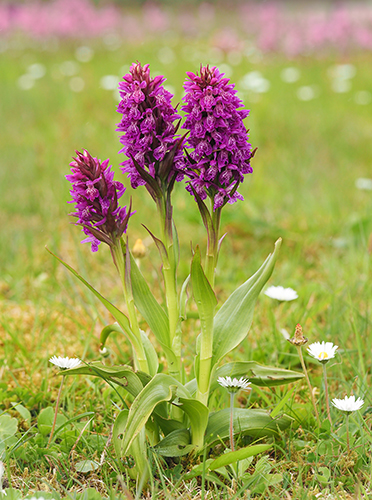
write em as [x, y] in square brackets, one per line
[137, 345]
[170, 281]
[347, 433]
[308, 383]
[212, 246]
[202, 394]
[326, 392]
[232, 421]
[56, 411]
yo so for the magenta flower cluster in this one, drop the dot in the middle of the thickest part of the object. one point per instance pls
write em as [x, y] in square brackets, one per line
[221, 153]
[214, 160]
[148, 127]
[96, 196]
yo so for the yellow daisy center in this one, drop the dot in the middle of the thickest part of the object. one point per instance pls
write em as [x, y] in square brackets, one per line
[323, 355]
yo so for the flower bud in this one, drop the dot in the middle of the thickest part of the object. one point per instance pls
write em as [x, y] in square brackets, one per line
[298, 338]
[139, 250]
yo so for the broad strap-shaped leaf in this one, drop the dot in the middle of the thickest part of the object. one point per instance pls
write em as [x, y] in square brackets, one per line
[198, 415]
[204, 296]
[107, 331]
[233, 320]
[120, 374]
[148, 306]
[166, 424]
[255, 423]
[151, 356]
[138, 449]
[241, 454]
[258, 374]
[261, 375]
[161, 388]
[175, 444]
[117, 314]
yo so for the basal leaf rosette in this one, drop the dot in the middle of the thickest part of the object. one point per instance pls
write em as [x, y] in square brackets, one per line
[221, 154]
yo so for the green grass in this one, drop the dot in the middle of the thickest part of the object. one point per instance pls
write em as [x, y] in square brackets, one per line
[309, 156]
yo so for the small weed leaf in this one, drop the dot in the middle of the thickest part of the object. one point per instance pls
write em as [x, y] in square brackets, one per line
[45, 420]
[8, 428]
[86, 466]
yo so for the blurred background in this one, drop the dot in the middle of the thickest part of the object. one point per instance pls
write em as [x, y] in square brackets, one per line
[304, 69]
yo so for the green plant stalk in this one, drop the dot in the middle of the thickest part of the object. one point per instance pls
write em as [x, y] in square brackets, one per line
[212, 246]
[206, 344]
[205, 364]
[56, 412]
[232, 421]
[308, 382]
[137, 345]
[326, 392]
[170, 281]
[347, 433]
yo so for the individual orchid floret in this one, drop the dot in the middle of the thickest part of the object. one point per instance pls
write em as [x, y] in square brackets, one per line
[221, 154]
[65, 363]
[96, 195]
[233, 385]
[348, 404]
[322, 351]
[149, 130]
[280, 293]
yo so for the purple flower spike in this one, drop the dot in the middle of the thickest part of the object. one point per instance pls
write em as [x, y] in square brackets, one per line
[96, 196]
[221, 152]
[149, 140]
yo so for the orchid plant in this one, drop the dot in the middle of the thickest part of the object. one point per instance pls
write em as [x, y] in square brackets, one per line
[170, 412]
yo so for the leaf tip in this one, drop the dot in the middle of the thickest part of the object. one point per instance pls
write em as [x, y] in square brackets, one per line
[278, 243]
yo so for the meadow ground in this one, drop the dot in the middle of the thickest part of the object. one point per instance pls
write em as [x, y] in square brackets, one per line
[313, 144]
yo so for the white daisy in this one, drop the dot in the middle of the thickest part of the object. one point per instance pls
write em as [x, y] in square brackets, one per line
[65, 363]
[233, 385]
[322, 351]
[281, 293]
[348, 404]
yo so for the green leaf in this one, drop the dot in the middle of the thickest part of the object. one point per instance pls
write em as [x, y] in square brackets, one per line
[184, 298]
[151, 356]
[282, 403]
[161, 388]
[117, 314]
[72, 419]
[258, 375]
[45, 420]
[233, 320]
[167, 425]
[152, 312]
[122, 373]
[8, 428]
[137, 450]
[226, 459]
[175, 444]
[234, 456]
[204, 296]
[86, 466]
[256, 423]
[198, 415]
[107, 331]
[23, 411]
